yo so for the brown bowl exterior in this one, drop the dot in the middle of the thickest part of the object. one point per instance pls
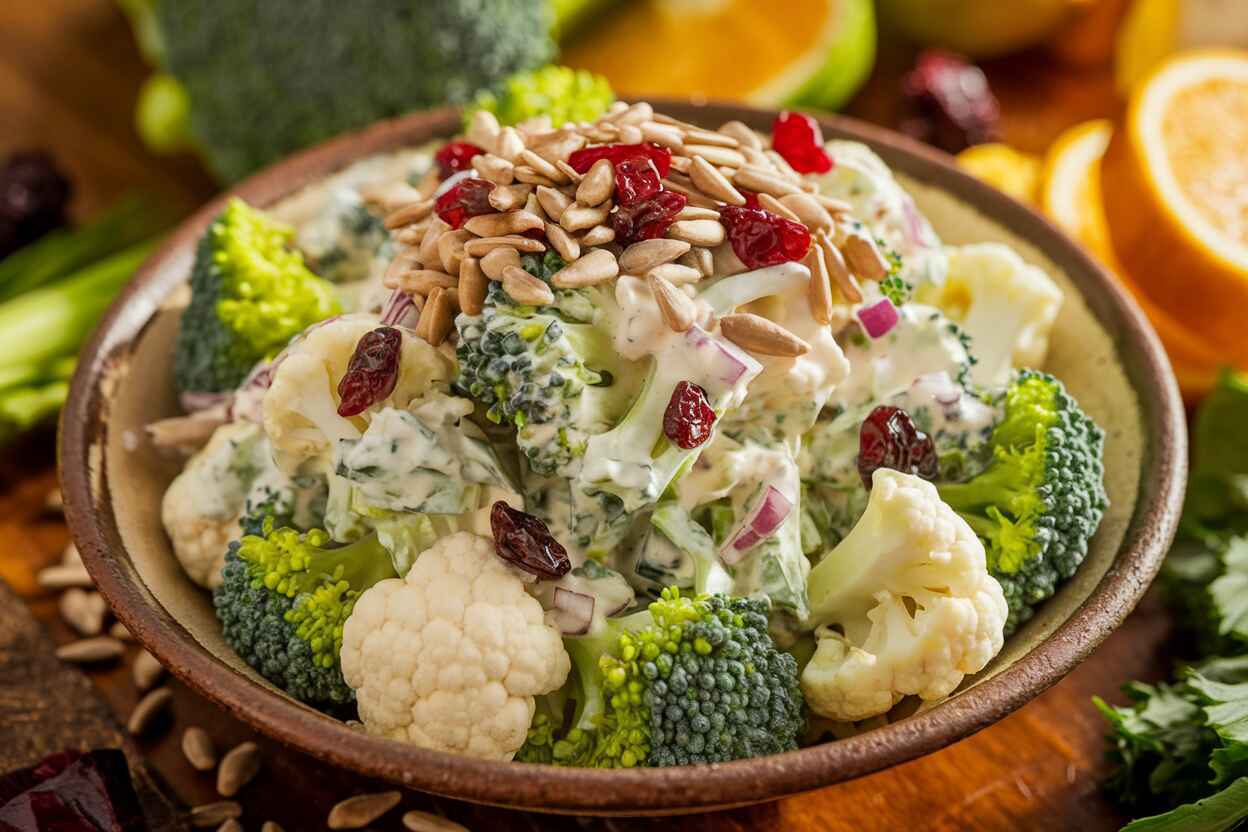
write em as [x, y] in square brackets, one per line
[1147, 535]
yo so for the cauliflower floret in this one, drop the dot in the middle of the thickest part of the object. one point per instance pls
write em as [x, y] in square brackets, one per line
[1006, 305]
[451, 656]
[202, 506]
[301, 405]
[905, 603]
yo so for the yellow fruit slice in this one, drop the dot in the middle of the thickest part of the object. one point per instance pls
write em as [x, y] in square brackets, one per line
[1175, 187]
[978, 28]
[1155, 29]
[1006, 169]
[813, 53]
[1071, 196]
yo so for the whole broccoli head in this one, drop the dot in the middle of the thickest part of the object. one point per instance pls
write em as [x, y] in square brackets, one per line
[690, 680]
[558, 92]
[267, 78]
[250, 294]
[1041, 498]
[550, 371]
[284, 599]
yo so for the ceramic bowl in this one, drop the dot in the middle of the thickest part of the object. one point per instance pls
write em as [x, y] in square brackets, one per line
[1102, 347]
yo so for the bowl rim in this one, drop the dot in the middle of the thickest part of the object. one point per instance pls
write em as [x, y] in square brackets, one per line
[635, 791]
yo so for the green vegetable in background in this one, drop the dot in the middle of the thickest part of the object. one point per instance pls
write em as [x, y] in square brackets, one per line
[263, 79]
[1183, 747]
[561, 93]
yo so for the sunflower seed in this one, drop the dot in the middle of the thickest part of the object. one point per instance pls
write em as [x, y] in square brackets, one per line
[214, 814]
[554, 202]
[428, 251]
[714, 184]
[91, 650]
[642, 256]
[542, 167]
[763, 182]
[483, 129]
[495, 169]
[819, 291]
[694, 212]
[408, 214]
[270, 826]
[356, 812]
[835, 207]
[415, 821]
[509, 144]
[567, 170]
[528, 176]
[70, 556]
[697, 135]
[230, 825]
[664, 135]
[808, 210]
[150, 708]
[437, 317]
[239, 765]
[390, 195]
[697, 232]
[684, 185]
[676, 307]
[84, 611]
[563, 242]
[146, 671]
[493, 262]
[509, 197]
[783, 167]
[864, 258]
[557, 144]
[451, 248]
[775, 206]
[598, 266]
[484, 245]
[198, 749]
[63, 577]
[675, 273]
[598, 184]
[756, 334]
[54, 502]
[473, 285]
[498, 225]
[599, 235]
[579, 217]
[635, 114]
[526, 289]
[714, 154]
[422, 281]
[120, 632]
[744, 135]
[838, 271]
[630, 134]
[701, 259]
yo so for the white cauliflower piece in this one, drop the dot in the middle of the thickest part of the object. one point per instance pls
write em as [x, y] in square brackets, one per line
[1005, 304]
[451, 656]
[905, 603]
[301, 405]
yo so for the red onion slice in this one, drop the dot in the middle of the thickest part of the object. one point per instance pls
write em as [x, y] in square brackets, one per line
[760, 524]
[879, 318]
[400, 310]
[574, 611]
[726, 363]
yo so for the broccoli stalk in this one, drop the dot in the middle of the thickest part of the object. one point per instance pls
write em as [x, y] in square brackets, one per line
[690, 680]
[250, 294]
[1041, 497]
[284, 599]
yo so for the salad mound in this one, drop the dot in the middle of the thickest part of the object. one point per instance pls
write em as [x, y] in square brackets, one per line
[621, 442]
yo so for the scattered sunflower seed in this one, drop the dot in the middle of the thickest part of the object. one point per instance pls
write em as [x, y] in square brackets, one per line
[198, 749]
[209, 815]
[270, 826]
[91, 650]
[146, 671]
[120, 632]
[82, 610]
[417, 821]
[64, 577]
[361, 810]
[150, 707]
[230, 825]
[239, 765]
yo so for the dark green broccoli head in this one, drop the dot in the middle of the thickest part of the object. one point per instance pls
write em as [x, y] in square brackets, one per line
[267, 78]
[250, 294]
[284, 599]
[690, 680]
[549, 371]
[1041, 498]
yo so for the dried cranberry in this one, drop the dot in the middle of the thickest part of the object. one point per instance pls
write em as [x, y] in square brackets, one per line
[950, 104]
[372, 371]
[689, 419]
[524, 541]
[465, 200]
[760, 238]
[648, 218]
[635, 180]
[751, 198]
[33, 197]
[453, 157]
[583, 159]
[797, 137]
[72, 790]
[888, 438]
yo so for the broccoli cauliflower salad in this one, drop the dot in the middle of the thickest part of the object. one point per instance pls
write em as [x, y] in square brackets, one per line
[620, 442]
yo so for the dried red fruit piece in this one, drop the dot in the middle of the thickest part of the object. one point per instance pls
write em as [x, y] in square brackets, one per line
[689, 419]
[464, 200]
[72, 790]
[583, 159]
[889, 438]
[525, 542]
[751, 198]
[33, 197]
[647, 219]
[798, 138]
[453, 157]
[372, 372]
[636, 179]
[760, 238]
[950, 103]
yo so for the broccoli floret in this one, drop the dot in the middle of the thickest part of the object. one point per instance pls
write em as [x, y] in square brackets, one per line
[284, 599]
[690, 680]
[558, 92]
[550, 371]
[250, 294]
[266, 78]
[1039, 501]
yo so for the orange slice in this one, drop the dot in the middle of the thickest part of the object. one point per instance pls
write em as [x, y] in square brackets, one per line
[1006, 169]
[1175, 186]
[1071, 196]
[803, 52]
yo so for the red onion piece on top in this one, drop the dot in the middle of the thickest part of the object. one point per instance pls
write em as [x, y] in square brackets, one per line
[574, 611]
[400, 310]
[760, 523]
[878, 318]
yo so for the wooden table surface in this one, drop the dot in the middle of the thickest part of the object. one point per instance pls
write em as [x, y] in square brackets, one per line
[68, 75]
